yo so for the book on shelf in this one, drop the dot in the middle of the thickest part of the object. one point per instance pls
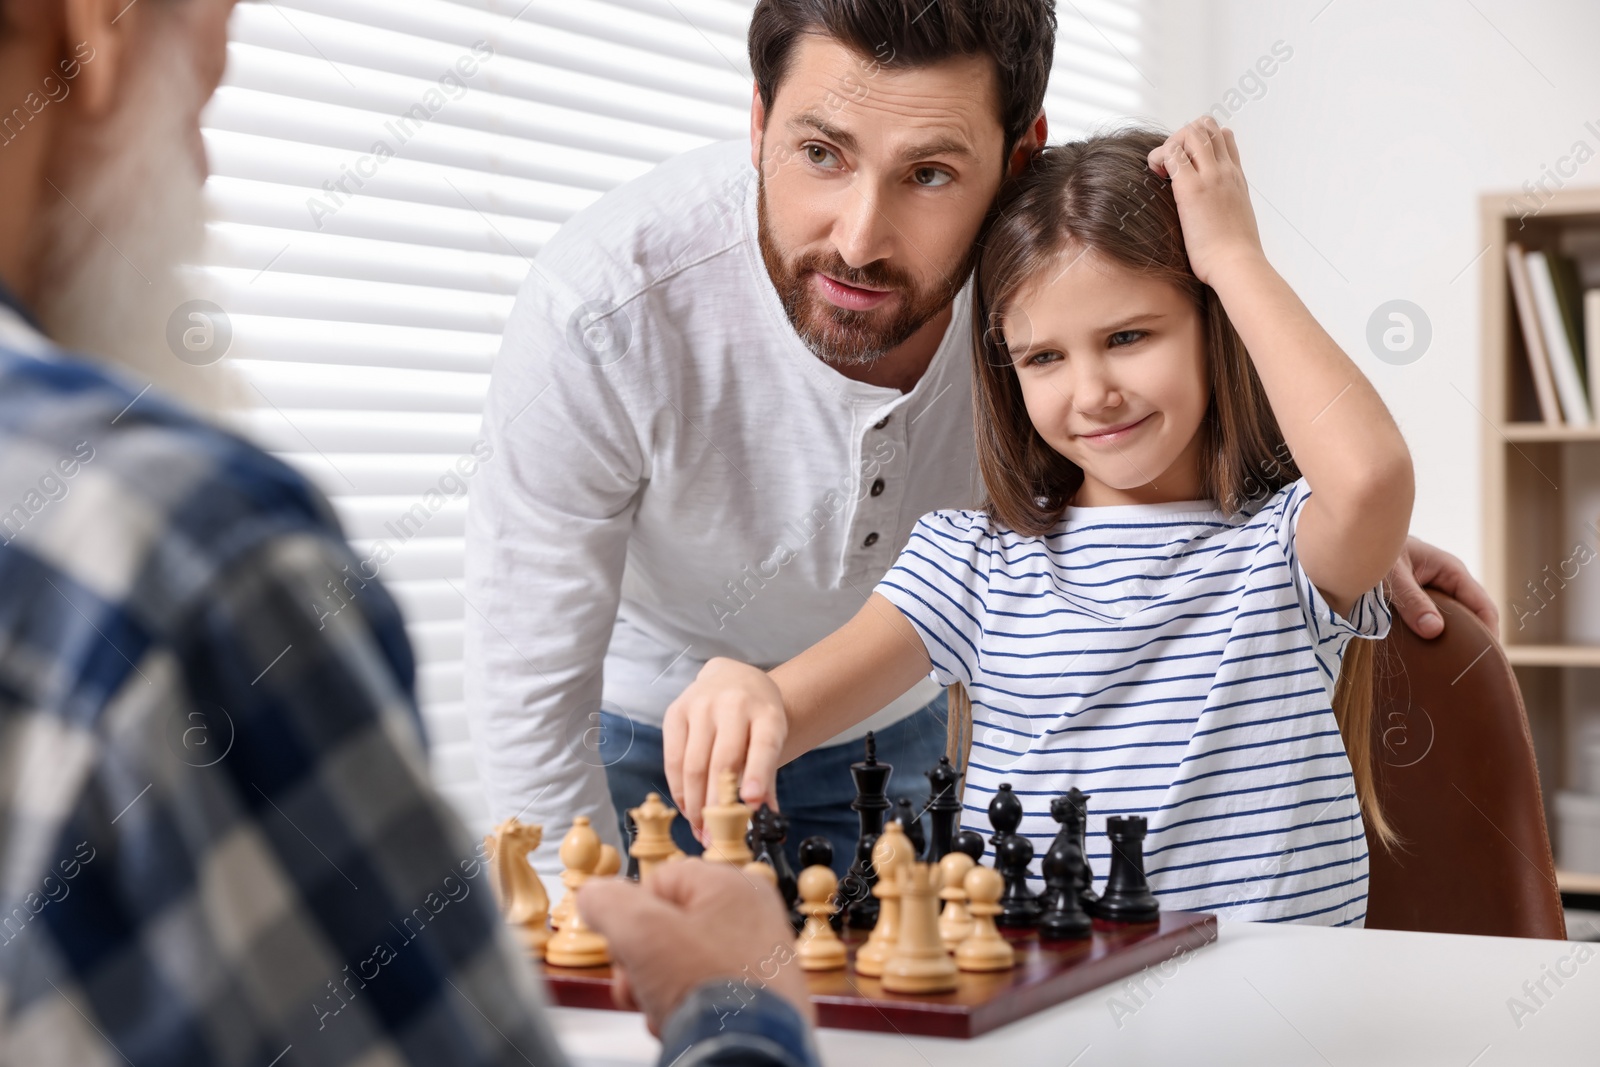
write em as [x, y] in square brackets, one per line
[1577, 259]
[1564, 361]
[1532, 335]
[1569, 301]
[1591, 332]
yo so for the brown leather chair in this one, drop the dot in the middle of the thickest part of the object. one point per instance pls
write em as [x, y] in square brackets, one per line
[1455, 773]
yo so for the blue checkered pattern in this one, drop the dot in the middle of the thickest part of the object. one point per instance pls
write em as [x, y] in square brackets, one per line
[217, 840]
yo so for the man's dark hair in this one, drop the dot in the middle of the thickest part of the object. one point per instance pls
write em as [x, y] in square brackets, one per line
[1019, 35]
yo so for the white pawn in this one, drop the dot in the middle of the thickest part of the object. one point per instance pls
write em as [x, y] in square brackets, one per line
[984, 949]
[956, 922]
[818, 947]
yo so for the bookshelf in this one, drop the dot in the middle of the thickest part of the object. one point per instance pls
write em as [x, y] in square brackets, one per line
[1533, 512]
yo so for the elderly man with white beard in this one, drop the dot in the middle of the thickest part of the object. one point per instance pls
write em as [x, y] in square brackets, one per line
[217, 840]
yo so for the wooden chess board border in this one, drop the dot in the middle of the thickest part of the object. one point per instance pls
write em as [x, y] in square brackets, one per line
[1047, 973]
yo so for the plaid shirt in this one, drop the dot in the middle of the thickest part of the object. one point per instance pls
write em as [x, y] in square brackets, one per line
[218, 844]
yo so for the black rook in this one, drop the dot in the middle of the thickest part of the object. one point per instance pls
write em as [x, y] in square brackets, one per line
[1127, 898]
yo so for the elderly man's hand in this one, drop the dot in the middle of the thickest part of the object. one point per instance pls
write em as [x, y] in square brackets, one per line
[693, 922]
[1421, 564]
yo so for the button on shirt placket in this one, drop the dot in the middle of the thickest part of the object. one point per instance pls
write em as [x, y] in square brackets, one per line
[880, 498]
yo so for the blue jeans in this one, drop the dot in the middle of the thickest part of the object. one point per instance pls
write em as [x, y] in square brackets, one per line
[814, 790]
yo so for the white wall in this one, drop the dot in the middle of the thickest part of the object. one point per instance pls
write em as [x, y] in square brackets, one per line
[1368, 149]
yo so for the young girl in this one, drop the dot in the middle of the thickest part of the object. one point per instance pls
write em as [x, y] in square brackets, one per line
[1192, 497]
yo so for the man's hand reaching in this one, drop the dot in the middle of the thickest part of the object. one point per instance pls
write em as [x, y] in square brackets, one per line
[693, 922]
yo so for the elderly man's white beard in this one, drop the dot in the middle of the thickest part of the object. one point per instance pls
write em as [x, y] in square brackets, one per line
[117, 234]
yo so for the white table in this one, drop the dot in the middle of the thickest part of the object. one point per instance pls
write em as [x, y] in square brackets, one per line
[1262, 994]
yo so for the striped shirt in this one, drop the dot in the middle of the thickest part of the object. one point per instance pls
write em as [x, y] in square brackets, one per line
[1172, 661]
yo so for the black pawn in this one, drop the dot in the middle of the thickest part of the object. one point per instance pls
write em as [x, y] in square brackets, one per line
[1127, 898]
[911, 821]
[1019, 908]
[1080, 800]
[1063, 917]
[632, 873]
[817, 851]
[872, 800]
[769, 829]
[970, 842]
[944, 809]
[1012, 854]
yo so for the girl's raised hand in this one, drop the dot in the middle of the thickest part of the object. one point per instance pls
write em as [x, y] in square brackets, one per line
[730, 718]
[1219, 224]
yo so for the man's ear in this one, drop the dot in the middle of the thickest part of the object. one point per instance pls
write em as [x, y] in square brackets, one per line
[758, 122]
[1030, 142]
[94, 40]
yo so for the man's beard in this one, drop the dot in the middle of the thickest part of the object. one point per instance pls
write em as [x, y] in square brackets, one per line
[839, 336]
[118, 227]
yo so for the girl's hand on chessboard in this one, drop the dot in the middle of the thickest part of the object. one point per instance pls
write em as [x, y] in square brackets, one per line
[731, 718]
[1219, 223]
[692, 923]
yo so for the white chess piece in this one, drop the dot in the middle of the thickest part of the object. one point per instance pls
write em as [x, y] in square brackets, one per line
[919, 963]
[956, 922]
[984, 949]
[818, 947]
[891, 852]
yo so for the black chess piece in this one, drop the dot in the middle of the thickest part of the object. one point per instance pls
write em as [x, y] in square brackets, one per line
[1127, 898]
[816, 851]
[1063, 917]
[769, 829]
[1019, 907]
[872, 800]
[970, 842]
[1080, 800]
[632, 829]
[912, 822]
[1005, 813]
[944, 809]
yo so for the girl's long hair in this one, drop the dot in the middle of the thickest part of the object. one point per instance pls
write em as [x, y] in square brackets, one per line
[1100, 195]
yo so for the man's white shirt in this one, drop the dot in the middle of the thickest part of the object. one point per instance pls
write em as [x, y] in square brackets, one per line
[675, 476]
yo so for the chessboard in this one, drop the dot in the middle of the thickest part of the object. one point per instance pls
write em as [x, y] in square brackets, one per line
[1047, 973]
[956, 948]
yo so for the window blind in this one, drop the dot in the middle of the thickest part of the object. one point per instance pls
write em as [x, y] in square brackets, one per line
[382, 172]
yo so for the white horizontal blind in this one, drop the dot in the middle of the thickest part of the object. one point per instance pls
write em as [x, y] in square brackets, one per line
[1101, 53]
[383, 170]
